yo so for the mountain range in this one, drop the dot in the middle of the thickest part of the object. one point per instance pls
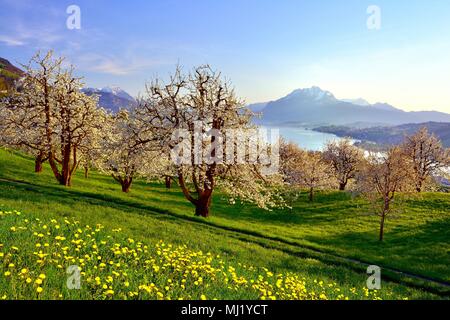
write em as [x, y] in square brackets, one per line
[302, 107]
[111, 98]
[314, 106]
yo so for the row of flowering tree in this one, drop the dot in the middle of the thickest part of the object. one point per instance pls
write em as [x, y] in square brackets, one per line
[194, 129]
[49, 117]
[378, 177]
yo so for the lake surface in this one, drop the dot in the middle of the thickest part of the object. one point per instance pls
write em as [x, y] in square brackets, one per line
[305, 138]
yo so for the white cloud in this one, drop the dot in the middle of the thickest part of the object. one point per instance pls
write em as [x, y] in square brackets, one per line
[40, 37]
[112, 64]
[10, 41]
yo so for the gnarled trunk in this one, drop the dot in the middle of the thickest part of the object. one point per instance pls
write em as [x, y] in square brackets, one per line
[126, 184]
[38, 163]
[86, 172]
[342, 186]
[203, 203]
[126, 187]
[65, 171]
[66, 179]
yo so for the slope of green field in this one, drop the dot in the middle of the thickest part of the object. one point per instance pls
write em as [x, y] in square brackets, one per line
[311, 240]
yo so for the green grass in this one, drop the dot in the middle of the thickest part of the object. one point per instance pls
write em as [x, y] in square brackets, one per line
[36, 252]
[312, 240]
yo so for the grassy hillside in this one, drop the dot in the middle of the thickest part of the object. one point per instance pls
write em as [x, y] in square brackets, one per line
[8, 75]
[316, 242]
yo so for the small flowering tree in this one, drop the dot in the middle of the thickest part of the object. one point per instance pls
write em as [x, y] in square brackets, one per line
[426, 156]
[381, 178]
[344, 159]
[306, 169]
[92, 147]
[127, 150]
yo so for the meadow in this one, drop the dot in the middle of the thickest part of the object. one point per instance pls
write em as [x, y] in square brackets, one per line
[316, 250]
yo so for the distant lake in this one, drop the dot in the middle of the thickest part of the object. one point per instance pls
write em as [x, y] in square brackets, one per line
[306, 138]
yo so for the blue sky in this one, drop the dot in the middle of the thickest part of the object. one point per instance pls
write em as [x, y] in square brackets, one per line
[267, 48]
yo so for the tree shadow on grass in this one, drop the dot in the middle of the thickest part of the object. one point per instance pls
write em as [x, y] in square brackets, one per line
[40, 193]
[303, 212]
[16, 189]
[430, 203]
[163, 200]
[419, 251]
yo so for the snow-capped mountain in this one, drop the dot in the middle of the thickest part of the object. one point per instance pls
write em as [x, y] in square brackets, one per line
[314, 106]
[112, 98]
[314, 94]
[117, 91]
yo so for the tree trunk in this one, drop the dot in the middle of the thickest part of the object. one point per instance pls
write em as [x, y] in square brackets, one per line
[203, 204]
[86, 172]
[383, 216]
[168, 181]
[125, 187]
[419, 184]
[126, 184]
[342, 186]
[382, 227]
[38, 163]
[311, 194]
[54, 166]
[65, 171]
[66, 179]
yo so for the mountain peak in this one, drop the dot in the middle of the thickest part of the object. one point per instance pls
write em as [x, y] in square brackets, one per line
[112, 98]
[117, 91]
[316, 106]
[314, 93]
